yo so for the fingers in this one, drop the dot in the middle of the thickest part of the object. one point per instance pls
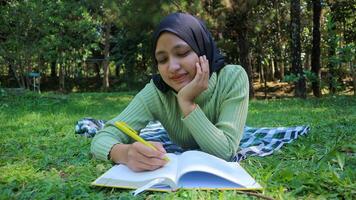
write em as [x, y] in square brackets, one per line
[159, 147]
[149, 152]
[199, 72]
[202, 74]
[138, 166]
[205, 69]
[205, 64]
[142, 163]
[143, 158]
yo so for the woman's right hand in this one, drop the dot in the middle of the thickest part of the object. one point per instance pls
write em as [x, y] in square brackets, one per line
[139, 157]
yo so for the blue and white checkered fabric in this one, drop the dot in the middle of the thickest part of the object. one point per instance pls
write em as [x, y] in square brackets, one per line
[255, 141]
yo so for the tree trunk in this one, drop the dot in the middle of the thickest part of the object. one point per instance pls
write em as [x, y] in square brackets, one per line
[117, 70]
[332, 45]
[265, 80]
[276, 69]
[243, 44]
[272, 69]
[105, 85]
[300, 86]
[307, 60]
[11, 74]
[315, 56]
[281, 69]
[61, 78]
[97, 70]
[21, 72]
[258, 67]
[279, 58]
[27, 73]
[53, 70]
[17, 77]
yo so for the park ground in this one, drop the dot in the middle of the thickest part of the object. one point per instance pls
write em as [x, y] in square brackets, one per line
[42, 158]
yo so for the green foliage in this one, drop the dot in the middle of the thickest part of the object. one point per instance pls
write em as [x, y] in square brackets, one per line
[42, 158]
[347, 53]
[339, 57]
[309, 76]
[38, 34]
[344, 17]
[291, 78]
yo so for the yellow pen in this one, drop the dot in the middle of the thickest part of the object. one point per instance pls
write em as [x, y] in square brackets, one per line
[133, 134]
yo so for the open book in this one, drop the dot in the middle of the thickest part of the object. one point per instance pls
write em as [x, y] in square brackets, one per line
[190, 170]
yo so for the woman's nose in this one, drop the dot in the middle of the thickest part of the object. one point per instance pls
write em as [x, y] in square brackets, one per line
[173, 65]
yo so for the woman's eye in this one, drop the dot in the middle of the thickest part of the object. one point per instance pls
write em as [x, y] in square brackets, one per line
[183, 54]
[161, 61]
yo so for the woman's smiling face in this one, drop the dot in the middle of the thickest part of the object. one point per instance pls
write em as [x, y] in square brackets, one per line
[176, 60]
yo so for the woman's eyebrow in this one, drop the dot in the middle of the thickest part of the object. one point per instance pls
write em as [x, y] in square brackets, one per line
[159, 53]
[178, 46]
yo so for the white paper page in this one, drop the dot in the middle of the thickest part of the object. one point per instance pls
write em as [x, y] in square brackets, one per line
[196, 161]
[121, 175]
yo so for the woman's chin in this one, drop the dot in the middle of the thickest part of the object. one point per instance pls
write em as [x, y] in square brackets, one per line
[178, 87]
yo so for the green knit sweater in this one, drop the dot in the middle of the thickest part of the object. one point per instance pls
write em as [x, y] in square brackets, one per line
[215, 126]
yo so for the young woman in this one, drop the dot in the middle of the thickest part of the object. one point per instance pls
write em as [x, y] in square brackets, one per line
[201, 102]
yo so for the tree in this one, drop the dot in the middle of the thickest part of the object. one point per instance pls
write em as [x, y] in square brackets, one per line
[341, 37]
[107, 13]
[133, 49]
[238, 15]
[279, 48]
[315, 62]
[300, 85]
[54, 38]
[69, 36]
[332, 57]
[20, 31]
[39, 32]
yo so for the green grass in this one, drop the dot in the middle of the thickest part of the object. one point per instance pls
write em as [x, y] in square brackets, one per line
[42, 158]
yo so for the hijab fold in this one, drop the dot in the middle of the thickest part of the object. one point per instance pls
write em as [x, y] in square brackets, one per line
[194, 32]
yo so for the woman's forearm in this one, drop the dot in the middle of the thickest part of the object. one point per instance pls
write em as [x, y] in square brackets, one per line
[186, 106]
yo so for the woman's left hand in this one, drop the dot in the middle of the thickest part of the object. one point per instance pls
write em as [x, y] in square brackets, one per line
[200, 83]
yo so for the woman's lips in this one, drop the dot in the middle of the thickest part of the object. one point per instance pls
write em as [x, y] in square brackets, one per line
[178, 78]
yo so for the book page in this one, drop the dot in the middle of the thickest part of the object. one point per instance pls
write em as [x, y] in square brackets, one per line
[203, 180]
[196, 168]
[122, 176]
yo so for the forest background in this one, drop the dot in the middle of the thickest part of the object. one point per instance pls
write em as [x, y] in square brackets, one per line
[90, 57]
[289, 48]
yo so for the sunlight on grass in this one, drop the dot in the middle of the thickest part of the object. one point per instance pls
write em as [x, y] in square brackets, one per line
[121, 99]
[42, 158]
[20, 172]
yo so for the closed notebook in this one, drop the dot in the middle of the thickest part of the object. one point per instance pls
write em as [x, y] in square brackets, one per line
[189, 170]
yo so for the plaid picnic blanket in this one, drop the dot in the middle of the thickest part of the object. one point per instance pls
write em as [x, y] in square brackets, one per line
[255, 141]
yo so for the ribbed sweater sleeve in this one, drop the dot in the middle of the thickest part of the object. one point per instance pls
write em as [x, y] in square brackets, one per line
[222, 139]
[136, 115]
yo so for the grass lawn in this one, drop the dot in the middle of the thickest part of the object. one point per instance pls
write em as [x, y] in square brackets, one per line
[42, 158]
